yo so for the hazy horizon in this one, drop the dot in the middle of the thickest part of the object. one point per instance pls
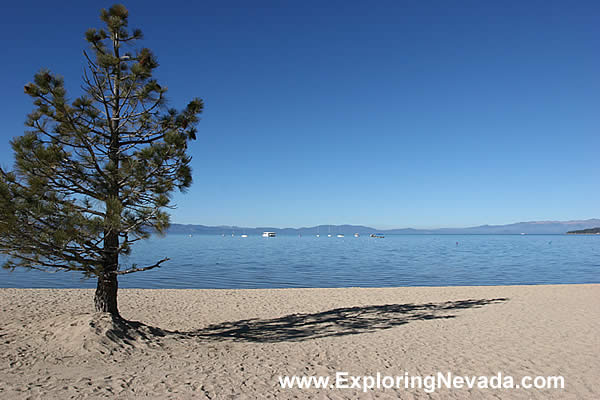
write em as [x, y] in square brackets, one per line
[387, 227]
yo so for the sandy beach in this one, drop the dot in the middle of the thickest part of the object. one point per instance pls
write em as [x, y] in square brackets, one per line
[231, 344]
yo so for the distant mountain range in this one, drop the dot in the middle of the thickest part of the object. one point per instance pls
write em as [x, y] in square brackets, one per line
[532, 227]
[591, 231]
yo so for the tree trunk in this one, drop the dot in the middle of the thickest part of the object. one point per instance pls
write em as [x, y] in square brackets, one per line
[105, 299]
[106, 291]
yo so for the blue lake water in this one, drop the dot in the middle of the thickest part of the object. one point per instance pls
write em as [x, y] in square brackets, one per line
[290, 261]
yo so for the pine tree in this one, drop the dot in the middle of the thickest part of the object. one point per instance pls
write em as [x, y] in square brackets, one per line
[95, 175]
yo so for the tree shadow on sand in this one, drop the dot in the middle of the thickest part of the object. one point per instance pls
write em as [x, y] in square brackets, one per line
[335, 322]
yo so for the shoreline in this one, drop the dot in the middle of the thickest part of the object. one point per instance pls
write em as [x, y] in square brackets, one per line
[221, 343]
[314, 288]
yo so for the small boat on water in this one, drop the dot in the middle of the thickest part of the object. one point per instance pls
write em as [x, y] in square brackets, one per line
[356, 235]
[373, 235]
[244, 235]
[269, 234]
[340, 235]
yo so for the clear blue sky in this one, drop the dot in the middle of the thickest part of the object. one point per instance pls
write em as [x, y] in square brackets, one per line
[386, 113]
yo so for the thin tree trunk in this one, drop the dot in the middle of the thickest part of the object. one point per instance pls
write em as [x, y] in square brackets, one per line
[105, 298]
[106, 291]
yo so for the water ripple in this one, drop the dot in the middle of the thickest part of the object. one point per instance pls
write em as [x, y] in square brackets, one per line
[289, 261]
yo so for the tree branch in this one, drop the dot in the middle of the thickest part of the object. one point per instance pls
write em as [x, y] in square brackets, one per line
[132, 270]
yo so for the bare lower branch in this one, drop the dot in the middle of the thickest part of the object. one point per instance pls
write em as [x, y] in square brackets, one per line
[132, 270]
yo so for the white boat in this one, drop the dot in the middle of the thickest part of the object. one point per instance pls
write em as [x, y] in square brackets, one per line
[340, 235]
[329, 231]
[269, 234]
[244, 235]
[356, 235]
